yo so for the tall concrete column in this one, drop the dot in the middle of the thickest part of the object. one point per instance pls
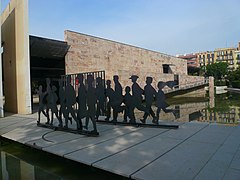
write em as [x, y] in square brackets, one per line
[16, 63]
[211, 92]
[1, 88]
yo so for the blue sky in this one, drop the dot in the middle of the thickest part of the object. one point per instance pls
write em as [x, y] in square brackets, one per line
[172, 27]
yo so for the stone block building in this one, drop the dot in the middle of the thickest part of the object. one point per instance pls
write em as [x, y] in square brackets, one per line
[88, 53]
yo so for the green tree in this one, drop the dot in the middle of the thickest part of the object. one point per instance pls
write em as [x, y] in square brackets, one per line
[234, 78]
[234, 75]
[217, 70]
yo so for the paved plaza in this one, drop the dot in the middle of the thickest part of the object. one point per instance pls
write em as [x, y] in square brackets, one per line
[193, 151]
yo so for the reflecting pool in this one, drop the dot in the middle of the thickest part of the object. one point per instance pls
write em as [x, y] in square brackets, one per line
[18, 162]
[222, 108]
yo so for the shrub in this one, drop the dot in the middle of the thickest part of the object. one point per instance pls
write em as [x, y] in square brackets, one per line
[220, 83]
[235, 84]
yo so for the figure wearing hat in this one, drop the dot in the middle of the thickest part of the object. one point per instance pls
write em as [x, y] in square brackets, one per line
[149, 93]
[137, 92]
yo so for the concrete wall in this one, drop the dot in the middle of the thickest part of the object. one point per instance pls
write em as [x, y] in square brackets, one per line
[88, 53]
[16, 65]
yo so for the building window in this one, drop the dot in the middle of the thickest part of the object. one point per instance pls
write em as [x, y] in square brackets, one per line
[165, 68]
[238, 57]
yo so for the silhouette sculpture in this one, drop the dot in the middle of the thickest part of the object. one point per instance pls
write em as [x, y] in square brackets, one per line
[149, 93]
[161, 102]
[91, 104]
[53, 105]
[81, 100]
[129, 110]
[62, 100]
[171, 84]
[91, 101]
[117, 98]
[100, 92]
[70, 101]
[41, 107]
[110, 97]
[48, 98]
[137, 92]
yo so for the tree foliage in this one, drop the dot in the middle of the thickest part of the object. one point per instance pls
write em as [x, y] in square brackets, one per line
[234, 75]
[217, 70]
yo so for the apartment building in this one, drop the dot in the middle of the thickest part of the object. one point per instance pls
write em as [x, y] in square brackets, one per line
[226, 55]
[192, 60]
[205, 58]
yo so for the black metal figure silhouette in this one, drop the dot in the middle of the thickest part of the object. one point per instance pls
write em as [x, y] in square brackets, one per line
[110, 97]
[41, 107]
[100, 97]
[161, 102]
[117, 98]
[137, 92]
[81, 100]
[149, 93]
[53, 105]
[48, 99]
[91, 104]
[70, 101]
[62, 100]
[129, 110]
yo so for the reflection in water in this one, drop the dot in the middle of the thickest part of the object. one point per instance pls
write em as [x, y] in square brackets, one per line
[224, 109]
[18, 162]
[221, 108]
[14, 168]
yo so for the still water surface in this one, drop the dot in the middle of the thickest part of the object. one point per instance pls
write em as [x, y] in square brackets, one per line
[20, 162]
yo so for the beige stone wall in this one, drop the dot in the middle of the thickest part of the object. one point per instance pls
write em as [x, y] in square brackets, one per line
[88, 53]
[186, 80]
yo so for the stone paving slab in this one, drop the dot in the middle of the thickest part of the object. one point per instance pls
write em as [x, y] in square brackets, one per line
[61, 137]
[138, 156]
[108, 148]
[75, 145]
[13, 126]
[146, 152]
[194, 151]
[27, 137]
[235, 164]
[52, 140]
[213, 170]
[184, 161]
[232, 174]
[212, 134]
[185, 130]
[23, 131]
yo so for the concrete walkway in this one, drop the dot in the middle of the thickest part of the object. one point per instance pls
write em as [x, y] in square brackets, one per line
[194, 151]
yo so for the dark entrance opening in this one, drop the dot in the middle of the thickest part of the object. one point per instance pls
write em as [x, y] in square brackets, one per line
[47, 60]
